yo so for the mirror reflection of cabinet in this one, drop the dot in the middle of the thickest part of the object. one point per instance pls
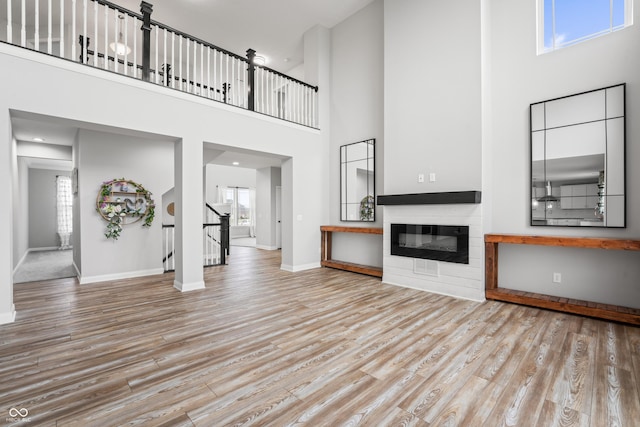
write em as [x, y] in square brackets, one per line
[578, 159]
[357, 181]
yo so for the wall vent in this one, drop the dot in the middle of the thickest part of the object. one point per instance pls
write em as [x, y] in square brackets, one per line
[425, 266]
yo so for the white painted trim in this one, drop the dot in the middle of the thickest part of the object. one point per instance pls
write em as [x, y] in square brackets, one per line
[186, 287]
[267, 248]
[119, 276]
[75, 267]
[297, 268]
[8, 317]
[44, 248]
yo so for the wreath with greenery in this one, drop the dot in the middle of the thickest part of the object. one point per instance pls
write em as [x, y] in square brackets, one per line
[366, 208]
[115, 207]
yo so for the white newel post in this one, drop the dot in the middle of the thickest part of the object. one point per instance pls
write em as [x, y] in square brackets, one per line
[189, 274]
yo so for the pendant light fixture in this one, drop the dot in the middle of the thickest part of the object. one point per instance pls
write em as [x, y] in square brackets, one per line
[119, 47]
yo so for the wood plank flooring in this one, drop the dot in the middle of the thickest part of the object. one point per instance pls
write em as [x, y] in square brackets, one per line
[261, 346]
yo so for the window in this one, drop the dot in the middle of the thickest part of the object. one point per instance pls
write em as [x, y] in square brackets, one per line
[240, 200]
[566, 22]
[64, 205]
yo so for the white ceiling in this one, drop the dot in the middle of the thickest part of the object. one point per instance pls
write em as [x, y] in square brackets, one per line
[273, 28]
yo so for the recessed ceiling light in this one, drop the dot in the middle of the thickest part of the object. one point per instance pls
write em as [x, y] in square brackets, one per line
[38, 139]
[235, 163]
[260, 60]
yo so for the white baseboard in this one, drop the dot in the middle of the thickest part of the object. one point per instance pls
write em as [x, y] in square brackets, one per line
[186, 287]
[297, 268]
[267, 248]
[44, 248]
[75, 267]
[8, 317]
[119, 276]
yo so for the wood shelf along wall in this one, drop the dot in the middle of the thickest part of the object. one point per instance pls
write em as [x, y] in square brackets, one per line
[568, 305]
[326, 246]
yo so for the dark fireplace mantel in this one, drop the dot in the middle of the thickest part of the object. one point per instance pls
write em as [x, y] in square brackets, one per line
[441, 198]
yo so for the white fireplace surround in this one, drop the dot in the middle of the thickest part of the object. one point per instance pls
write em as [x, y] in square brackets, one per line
[457, 280]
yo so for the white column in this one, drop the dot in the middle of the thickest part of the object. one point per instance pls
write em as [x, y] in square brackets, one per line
[7, 309]
[189, 273]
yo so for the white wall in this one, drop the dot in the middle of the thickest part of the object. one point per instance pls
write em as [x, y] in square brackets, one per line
[9, 175]
[432, 96]
[520, 77]
[357, 64]
[106, 156]
[357, 87]
[76, 237]
[227, 176]
[267, 179]
[20, 211]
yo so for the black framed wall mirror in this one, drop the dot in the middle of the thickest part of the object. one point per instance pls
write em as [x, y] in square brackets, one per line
[358, 181]
[578, 159]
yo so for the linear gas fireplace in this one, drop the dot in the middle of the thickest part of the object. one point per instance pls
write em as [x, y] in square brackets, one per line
[436, 242]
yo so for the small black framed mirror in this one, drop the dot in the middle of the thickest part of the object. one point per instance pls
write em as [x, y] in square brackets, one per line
[358, 181]
[578, 159]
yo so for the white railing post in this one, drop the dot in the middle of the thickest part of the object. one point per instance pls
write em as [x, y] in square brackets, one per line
[62, 49]
[36, 31]
[9, 23]
[106, 39]
[73, 31]
[95, 33]
[49, 29]
[126, 43]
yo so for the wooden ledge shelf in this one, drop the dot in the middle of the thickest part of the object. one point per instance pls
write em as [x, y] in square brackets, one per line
[326, 245]
[567, 305]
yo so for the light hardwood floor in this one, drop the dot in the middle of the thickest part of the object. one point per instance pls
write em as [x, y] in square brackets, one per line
[261, 346]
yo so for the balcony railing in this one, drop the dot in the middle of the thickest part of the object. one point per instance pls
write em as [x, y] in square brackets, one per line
[104, 35]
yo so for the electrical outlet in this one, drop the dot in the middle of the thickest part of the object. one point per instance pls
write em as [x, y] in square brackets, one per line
[557, 278]
[420, 177]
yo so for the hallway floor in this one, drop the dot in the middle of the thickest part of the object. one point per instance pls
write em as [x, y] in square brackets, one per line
[45, 265]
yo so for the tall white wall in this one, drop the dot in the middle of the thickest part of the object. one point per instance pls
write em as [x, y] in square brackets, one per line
[357, 88]
[267, 180]
[106, 156]
[357, 91]
[519, 77]
[9, 175]
[20, 211]
[432, 97]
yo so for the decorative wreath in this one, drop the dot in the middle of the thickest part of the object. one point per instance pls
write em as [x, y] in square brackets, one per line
[121, 202]
[367, 208]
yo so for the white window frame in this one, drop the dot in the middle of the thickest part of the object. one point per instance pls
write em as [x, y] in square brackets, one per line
[628, 20]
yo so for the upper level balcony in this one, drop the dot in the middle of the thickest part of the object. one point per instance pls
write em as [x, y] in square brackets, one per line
[103, 35]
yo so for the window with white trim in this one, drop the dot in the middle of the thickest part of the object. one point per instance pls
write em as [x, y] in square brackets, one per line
[562, 23]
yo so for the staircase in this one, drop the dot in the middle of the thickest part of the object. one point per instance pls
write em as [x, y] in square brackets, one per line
[215, 240]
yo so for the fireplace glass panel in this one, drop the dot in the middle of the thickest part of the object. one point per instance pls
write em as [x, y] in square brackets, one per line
[436, 242]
